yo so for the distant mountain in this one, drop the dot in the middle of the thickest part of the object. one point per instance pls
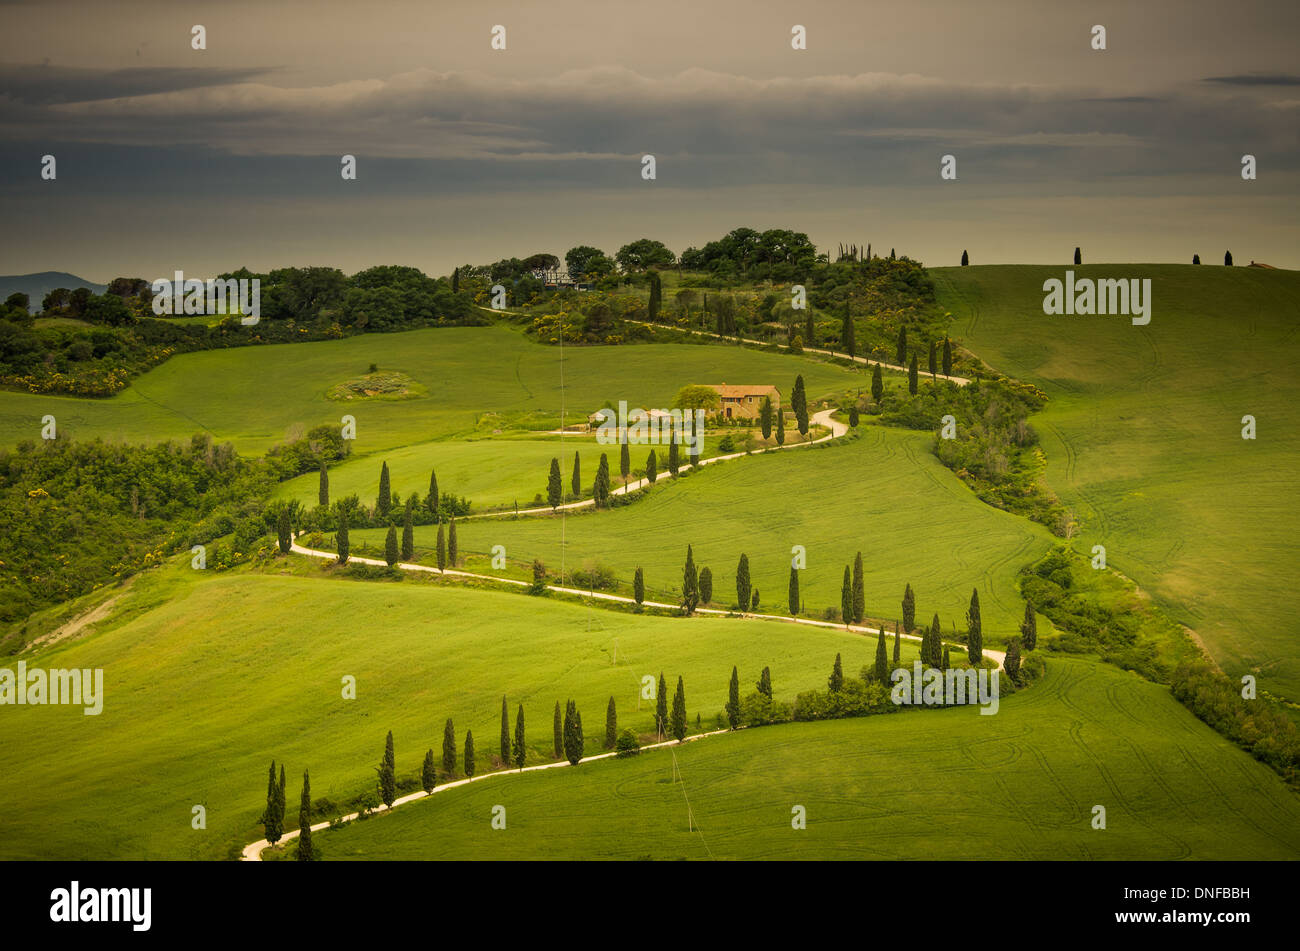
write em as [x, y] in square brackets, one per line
[36, 286]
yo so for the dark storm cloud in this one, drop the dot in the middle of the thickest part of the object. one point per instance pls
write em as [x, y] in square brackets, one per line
[1277, 79]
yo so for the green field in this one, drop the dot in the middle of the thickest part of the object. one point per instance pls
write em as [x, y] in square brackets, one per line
[478, 379]
[1143, 437]
[932, 785]
[207, 680]
[883, 494]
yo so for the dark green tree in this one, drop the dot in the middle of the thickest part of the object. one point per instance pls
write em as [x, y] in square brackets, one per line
[1196, 259]
[836, 680]
[1029, 627]
[453, 550]
[947, 662]
[799, 405]
[385, 500]
[706, 585]
[469, 752]
[898, 646]
[1227, 258]
[690, 583]
[877, 383]
[283, 530]
[624, 460]
[449, 749]
[753, 601]
[934, 360]
[442, 548]
[974, 630]
[559, 733]
[323, 497]
[912, 377]
[965, 259]
[909, 609]
[576, 481]
[733, 700]
[638, 585]
[661, 706]
[573, 743]
[269, 819]
[900, 352]
[505, 733]
[611, 724]
[431, 500]
[341, 537]
[859, 591]
[742, 583]
[306, 852]
[679, 712]
[1078, 257]
[601, 487]
[651, 468]
[521, 751]
[882, 658]
[1012, 662]
[554, 485]
[428, 773]
[847, 342]
[391, 551]
[934, 657]
[765, 417]
[280, 804]
[455, 281]
[674, 462]
[764, 684]
[792, 597]
[853, 416]
[780, 427]
[947, 357]
[388, 773]
[846, 598]
[408, 532]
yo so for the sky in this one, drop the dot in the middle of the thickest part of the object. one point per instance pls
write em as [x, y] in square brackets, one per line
[170, 158]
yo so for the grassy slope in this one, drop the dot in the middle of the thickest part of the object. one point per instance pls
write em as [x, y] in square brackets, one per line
[208, 679]
[1020, 784]
[1142, 435]
[255, 395]
[883, 494]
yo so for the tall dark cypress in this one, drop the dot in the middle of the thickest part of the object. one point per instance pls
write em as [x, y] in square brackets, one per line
[1029, 627]
[974, 630]
[470, 765]
[913, 379]
[268, 816]
[431, 500]
[323, 496]
[792, 598]
[385, 500]
[611, 724]
[601, 487]
[280, 804]
[936, 643]
[690, 583]
[559, 736]
[898, 645]
[554, 485]
[765, 417]
[900, 352]
[575, 483]
[742, 583]
[947, 357]
[449, 749]
[521, 751]
[965, 259]
[835, 682]
[934, 360]
[573, 742]
[847, 343]
[1078, 256]
[674, 460]
[799, 405]
[909, 609]
[846, 598]
[341, 537]
[661, 706]
[453, 550]
[765, 682]
[638, 585]
[882, 658]
[388, 773]
[455, 281]
[306, 852]
[679, 712]
[408, 533]
[651, 468]
[706, 585]
[733, 700]
[859, 591]
[391, 553]
[624, 460]
[283, 530]
[505, 733]
[877, 383]
[780, 426]
[442, 548]
[428, 774]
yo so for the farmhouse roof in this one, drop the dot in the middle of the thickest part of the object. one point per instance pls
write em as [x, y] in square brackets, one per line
[738, 390]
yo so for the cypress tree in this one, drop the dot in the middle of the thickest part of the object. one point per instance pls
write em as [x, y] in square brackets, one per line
[1012, 662]
[505, 733]
[651, 468]
[638, 585]
[792, 598]
[442, 548]
[455, 281]
[431, 500]
[891, 254]
[1029, 627]
[521, 752]
[799, 404]
[624, 460]
[575, 482]
[764, 684]
[283, 530]
[306, 852]
[947, 357]
[847, 343]
[846, 598]
[385, 499]
[341, 537]
[387, 773]
[810, 331]
[390, 547]
[742, 583]
[679, 712]
[453, 552]
[909, 609]
[554, 485]
[611, 724]
[898, 645]
[882, 658]
[765, 417]
[408, 533]
[900, 352]
[469, 752]
[859, 591]
[753, 600]
[661, 706]
[853, 416]
[946, 662]
[600, 487]
[965, 259]
[912, 380]
[573, 743]
[733, 700]
[449, 749]
[280, 805]
[673, 461]
[877, 383]
[935, 654]
[706, 585]
[428, 774]
[780, 427]
[836, 680]
[1227, 258]
[934, 360]
[324, 495]
[1196, 259]
[690, 583]
[975, 633]
[1078, 257]
[559, 736]
[269, 819]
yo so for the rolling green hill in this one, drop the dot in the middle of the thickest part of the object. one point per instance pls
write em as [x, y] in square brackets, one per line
[1143, 437]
